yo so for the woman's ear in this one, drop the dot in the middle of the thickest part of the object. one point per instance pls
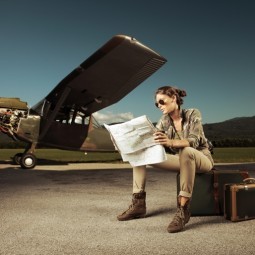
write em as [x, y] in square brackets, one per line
[173, 97]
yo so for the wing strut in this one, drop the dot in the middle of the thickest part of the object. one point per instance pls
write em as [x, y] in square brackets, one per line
[52, 116]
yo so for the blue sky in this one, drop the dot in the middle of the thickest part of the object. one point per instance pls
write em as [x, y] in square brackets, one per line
[209, 45]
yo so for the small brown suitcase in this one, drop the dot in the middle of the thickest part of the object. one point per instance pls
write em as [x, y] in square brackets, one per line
[239, 200]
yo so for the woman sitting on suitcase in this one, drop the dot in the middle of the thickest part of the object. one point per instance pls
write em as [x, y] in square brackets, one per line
[181, 133]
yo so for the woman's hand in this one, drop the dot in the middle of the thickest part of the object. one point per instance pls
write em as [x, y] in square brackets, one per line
[161, 138]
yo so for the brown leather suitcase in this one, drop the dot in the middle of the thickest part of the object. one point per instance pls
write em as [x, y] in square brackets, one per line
[239, 200]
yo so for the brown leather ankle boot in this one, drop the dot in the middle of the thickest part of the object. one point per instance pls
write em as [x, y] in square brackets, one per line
[181, 218]
[137, 209]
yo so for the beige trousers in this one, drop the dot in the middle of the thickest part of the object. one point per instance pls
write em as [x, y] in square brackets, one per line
[188, 162]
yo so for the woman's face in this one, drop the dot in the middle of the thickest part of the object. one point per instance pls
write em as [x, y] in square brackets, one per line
[166, 103]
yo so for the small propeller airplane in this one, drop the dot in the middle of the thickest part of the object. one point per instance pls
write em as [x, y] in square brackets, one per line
[64, 118]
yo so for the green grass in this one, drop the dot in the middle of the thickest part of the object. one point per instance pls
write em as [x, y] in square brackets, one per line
[221, 155]
[234, 155]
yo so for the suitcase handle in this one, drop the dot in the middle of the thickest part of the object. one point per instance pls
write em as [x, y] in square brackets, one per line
[249, 181]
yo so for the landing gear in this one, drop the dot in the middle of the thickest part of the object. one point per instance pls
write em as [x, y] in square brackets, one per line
[25, 160]
[28, 161]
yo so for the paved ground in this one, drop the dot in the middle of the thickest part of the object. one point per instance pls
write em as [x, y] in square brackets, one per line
[71, 209]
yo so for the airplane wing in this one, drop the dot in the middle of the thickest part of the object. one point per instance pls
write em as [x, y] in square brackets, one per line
[104, 78]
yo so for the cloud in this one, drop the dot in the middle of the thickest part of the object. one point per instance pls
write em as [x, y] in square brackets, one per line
[110, 117]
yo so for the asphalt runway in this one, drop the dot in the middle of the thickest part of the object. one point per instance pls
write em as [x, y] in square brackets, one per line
[72, 209]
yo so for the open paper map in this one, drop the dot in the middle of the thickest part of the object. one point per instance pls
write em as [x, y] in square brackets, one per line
[134, 140]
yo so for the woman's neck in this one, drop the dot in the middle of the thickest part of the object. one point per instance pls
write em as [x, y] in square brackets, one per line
[176, 119]
[175, 115]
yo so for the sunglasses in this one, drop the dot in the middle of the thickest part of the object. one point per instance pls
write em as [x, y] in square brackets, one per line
[160, 102]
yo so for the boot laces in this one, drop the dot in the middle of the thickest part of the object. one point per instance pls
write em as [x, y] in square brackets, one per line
[130, 208]
[178, 217]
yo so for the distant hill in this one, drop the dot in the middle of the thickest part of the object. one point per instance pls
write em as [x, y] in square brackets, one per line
[237, 128]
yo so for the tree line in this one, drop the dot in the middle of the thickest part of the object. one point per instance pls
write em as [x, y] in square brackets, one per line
[234, 142]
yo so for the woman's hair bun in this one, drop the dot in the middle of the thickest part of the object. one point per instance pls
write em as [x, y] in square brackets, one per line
[182, 93]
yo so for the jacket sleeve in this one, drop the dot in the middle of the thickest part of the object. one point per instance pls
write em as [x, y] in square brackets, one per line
[195, 128]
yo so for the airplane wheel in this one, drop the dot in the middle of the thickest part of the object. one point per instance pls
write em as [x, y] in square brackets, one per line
[17, 158]
[28, 161]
